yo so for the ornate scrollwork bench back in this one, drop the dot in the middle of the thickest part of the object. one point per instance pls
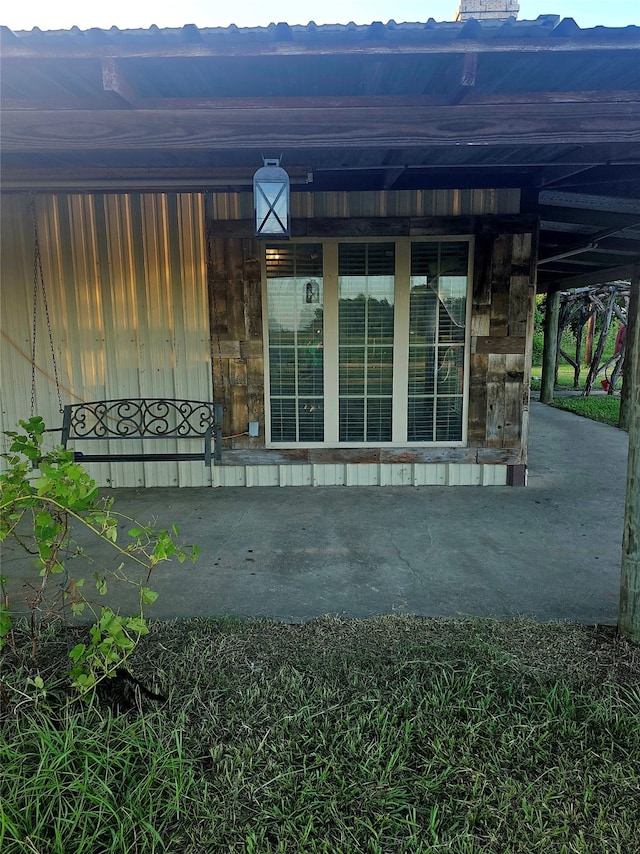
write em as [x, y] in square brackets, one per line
[144, 418]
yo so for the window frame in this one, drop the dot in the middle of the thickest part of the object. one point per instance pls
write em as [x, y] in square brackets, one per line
[402, 288]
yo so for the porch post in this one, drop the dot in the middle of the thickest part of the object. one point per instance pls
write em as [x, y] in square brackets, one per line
[629, 356]
[629, 613]
[550, 349]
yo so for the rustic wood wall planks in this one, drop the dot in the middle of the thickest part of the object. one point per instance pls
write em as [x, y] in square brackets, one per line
[237, 355]
[503, 304]
[501, 323]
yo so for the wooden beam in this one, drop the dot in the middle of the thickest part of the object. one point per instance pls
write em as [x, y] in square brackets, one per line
[597, 277]
[612, 221]
[550, 347]
[590, 202]
[629, 612]
[316, 45]
[500, 344]
[598, 97]
[303, 129]
[387, 226]
[116, 82]
[300, 102]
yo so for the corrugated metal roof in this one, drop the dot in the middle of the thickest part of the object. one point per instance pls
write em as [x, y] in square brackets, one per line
[309, 35]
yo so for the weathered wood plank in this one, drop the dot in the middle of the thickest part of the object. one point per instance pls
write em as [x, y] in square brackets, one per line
[428, 455]
[252, 293]
[385, 226]
[511, 425]
[499, 344]
[237, 372]
[496, 367]
[482, 271]
[518, 305]
[238, 409]
[477, 419]
[480, 321]
[308, 128]
[119, 85]
[236, 329]
[494, 414]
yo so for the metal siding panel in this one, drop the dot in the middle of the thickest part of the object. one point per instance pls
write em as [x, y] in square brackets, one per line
[126, 285]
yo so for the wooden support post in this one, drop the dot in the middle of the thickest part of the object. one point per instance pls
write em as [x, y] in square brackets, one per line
[595, 369]
[630, 357]
[591, 324]
[629, 613]
[550, 350]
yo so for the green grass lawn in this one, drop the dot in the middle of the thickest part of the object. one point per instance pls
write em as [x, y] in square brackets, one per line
[394, 734]
[565, 377]
[601, 408]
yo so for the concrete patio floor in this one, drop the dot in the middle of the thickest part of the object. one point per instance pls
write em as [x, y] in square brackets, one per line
[551, 550]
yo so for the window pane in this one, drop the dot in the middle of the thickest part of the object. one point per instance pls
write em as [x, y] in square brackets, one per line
[437, 316]
[366, 284]
[449, 420]
[311, 420]
[351, 419]
[450, 370]
[420, 419]
[296, 341]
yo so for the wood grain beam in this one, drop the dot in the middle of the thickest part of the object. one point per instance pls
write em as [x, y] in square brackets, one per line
[357, 128]
[597, 277]
[387, 226]
[115, 82]
[318, 46]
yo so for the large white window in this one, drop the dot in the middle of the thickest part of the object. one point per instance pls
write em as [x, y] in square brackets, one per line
[366, 342]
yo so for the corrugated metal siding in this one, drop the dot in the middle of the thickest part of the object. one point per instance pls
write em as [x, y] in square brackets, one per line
[378, 203]
[126, 287]
[362, 474]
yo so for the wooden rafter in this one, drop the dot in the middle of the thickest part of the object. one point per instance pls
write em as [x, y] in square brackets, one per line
[43, 131]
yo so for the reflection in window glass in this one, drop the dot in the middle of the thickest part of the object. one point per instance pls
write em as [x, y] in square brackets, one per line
[366, 276]
[296, 339]
[437, 312]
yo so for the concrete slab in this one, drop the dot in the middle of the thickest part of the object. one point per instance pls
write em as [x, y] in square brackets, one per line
[551, 550]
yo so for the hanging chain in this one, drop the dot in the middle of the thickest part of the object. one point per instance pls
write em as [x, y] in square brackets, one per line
[35, 323]
[212, 291]
[38, 279]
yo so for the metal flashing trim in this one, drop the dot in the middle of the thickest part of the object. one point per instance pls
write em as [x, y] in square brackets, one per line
[361, 474]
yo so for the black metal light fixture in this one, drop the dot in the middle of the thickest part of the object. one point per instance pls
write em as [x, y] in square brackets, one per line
[271, 200]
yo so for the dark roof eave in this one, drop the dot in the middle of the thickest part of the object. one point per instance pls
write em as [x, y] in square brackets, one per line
[546, 33]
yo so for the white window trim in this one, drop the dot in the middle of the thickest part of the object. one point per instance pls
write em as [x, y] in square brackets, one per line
[400, 343]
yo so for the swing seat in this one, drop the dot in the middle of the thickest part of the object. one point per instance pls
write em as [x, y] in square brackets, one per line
[142, 419]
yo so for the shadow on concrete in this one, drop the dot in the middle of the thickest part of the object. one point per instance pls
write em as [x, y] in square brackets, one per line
[551, 550]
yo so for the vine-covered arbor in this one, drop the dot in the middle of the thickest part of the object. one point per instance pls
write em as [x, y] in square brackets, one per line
[590, 313]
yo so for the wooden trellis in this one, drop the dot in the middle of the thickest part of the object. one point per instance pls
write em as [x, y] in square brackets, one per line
[579, 309]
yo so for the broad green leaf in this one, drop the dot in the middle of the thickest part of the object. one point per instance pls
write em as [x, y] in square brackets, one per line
[148, 596]
[77, 652]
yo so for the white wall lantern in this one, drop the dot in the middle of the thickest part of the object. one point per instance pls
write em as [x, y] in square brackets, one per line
[271, 200]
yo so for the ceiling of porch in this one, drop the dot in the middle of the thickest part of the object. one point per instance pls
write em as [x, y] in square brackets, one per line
[540, 105]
